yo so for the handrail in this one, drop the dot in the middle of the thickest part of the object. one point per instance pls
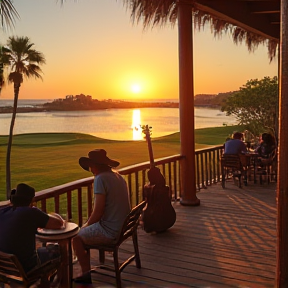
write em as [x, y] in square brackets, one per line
[74, 200]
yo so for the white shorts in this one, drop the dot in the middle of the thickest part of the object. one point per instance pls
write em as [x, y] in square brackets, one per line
[94, 235]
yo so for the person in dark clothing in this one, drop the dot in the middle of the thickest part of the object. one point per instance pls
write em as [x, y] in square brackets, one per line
[18, 225]
[266, 151]
[267, 145]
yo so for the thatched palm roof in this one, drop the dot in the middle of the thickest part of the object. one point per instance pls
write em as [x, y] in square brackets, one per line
[250, 21]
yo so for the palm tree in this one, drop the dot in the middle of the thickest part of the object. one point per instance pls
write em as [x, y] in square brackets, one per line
[8, 15]
[19, 59]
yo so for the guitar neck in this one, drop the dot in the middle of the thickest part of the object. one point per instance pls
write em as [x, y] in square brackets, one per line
[151, 157]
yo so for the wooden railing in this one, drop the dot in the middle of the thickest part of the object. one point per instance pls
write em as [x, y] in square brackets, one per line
[208, 167]
[74, 200]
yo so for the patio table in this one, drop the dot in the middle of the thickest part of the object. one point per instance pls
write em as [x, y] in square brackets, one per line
[63, 237]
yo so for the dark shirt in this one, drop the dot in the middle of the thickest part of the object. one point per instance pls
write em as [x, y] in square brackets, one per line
[17, 233]
[234, 146]
[264, 150]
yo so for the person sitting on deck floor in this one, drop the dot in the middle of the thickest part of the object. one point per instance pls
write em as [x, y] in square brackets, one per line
[18, 225]
[111, 206]
[235, 145]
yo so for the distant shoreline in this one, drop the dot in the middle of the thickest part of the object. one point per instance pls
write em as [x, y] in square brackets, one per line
[120, 105]
[116, 105]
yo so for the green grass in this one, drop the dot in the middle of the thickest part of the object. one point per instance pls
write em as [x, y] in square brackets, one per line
[44, 160]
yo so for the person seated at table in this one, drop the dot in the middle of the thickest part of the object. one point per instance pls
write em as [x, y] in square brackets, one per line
[267, 145]
[111, 206]
[235, 145]
[18, 225]
[265, 148]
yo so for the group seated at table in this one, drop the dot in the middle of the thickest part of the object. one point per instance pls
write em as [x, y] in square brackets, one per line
[265, 151]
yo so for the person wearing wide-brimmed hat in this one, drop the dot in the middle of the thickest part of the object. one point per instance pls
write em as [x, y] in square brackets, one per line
[18, 225]
[111, 206]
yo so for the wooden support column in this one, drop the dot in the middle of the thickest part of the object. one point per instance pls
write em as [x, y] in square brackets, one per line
[186, 105]
[282, 186]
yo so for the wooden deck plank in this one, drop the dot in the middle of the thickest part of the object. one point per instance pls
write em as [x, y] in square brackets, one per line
[227, 241]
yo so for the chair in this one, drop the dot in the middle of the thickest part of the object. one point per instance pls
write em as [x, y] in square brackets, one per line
[129, 229]
[231, 164]
[268, 167]
[11, 271]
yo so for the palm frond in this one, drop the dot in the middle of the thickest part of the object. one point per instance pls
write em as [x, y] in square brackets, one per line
[160, 12]
[8, 14]
[21, 58]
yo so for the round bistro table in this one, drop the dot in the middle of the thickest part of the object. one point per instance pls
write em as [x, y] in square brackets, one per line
[63, 237]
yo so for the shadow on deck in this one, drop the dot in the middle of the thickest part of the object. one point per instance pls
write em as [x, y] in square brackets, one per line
[227, 241]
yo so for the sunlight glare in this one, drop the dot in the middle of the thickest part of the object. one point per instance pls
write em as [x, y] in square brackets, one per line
[136, 122]
[135, 88]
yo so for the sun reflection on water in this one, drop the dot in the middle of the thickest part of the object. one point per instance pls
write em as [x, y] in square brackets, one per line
[136, 122]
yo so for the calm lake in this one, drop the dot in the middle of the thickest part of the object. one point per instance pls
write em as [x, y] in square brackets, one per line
[116, 124]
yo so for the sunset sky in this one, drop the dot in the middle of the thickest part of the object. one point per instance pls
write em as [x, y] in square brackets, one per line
[92, 47]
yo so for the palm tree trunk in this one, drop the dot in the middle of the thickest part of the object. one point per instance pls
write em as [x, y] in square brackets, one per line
[9, 145]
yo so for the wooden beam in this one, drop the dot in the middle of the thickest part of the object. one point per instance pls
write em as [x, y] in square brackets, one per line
[186, 105]
[238, 13]
[282, 187]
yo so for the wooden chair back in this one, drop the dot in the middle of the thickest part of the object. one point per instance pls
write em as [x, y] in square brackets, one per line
[131, 223]
[231, 163]
[11, 270]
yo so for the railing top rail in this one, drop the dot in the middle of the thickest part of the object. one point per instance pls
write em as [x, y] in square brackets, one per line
[63, 188]
[213, 148]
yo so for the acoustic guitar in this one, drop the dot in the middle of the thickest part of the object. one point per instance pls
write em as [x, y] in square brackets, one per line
[159, 214]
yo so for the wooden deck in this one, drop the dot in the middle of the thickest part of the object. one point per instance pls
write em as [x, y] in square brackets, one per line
[227, 241]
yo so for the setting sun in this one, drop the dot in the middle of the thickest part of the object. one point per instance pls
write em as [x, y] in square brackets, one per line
[135, 88]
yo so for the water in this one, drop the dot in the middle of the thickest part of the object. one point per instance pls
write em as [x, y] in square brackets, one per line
[115, 124]
[24, 102]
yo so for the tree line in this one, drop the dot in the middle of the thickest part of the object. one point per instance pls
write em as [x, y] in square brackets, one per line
[255, 105]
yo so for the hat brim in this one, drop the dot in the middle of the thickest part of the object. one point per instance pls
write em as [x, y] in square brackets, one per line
[86, 163]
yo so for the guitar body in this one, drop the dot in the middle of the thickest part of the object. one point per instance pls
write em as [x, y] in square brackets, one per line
[159, 214]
